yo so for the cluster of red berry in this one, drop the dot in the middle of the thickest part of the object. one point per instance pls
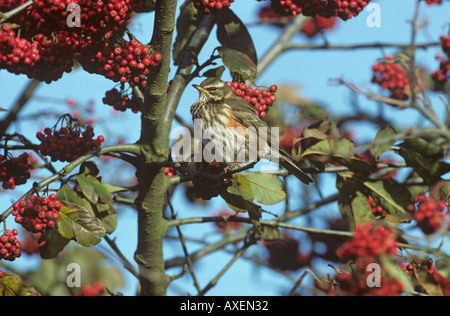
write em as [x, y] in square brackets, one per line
[350, 284]
[428, 213]
[170, 172]
[9, 245]
[121, 102]
[390, 75]
[311, 28]
[442, 74]
[211, 6]
[377, 210]
[368, 243]
[431, 2]
[17, 55]
[32, 57]
[47, 39]
[426, 264]
[284, 254]
[260, 99]
[95, 289]
[318, 24]
[289, 138]
[345, 9]
[67, 144]
[128, 62]
[30, 243]
[39, 214]
[205, 188]
[14, 171]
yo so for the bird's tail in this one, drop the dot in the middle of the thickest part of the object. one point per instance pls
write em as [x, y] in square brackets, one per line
[290, 166]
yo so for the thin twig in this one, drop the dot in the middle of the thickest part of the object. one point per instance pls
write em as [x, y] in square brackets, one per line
[214, 281]
[127, 265]
[7, 15]
[185, 251]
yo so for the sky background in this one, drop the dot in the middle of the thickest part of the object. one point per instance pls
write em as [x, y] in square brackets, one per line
[310, 70]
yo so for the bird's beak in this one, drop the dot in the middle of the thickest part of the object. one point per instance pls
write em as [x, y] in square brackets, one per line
[199, 88]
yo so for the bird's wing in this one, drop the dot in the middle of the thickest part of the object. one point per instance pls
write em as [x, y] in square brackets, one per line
[244, 113]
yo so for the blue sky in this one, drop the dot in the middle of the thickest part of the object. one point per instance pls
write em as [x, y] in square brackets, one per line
[310, 70]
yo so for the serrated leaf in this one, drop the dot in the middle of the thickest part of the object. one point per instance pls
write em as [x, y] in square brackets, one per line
[77, 223]
[232, 33]
[13, 285]
[384, 140]
[267, 188]
[238, 62]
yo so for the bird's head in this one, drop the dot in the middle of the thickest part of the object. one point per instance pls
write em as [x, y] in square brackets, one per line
[214, 89]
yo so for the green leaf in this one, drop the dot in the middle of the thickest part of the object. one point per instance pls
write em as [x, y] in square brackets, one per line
[425, 148]
[13, 285]
[114, 189]
[53, 244]
[77, 223]
[241, 183]
[239, 203]
[267, 189]
[424, 282]
[214, 72]
[238, 62]
[384, 140]
[339, 150]
[187, 22]
[393, 197]
[340, 147]
[100, 198]
[352, 202]
[65, 193]
[232, 33]
[425, 158]
[87, 187]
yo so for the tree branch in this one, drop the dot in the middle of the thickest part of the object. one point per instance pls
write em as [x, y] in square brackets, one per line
[26, 95]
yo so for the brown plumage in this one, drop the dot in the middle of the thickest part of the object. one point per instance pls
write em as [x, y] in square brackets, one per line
[218, 107]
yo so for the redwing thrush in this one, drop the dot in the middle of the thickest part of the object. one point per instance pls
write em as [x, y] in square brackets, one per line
[232, 119]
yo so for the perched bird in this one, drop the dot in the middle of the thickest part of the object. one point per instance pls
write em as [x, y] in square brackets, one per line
[234, 121]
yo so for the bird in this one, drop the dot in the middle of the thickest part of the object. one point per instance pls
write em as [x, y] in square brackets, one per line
[232, 119]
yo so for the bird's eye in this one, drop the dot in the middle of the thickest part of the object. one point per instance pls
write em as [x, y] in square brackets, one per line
[212, 89]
